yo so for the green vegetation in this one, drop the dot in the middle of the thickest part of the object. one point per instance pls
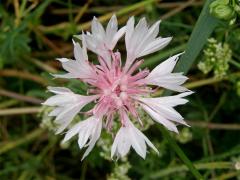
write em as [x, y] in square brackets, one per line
[34, 33]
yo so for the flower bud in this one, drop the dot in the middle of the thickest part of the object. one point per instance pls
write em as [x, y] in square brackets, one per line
[237, 9]
[223, 12]
[218, 2]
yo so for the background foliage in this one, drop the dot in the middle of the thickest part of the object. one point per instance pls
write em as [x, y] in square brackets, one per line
[33, 33]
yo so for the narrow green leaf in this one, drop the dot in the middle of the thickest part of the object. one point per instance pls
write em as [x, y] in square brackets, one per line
[202, 30]
[181, 154]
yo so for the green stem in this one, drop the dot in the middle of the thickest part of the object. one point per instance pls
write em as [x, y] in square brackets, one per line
[213, 80]
[180, 153]
[8, 103]
[232, 152]
[218, 106]
[5, 147]
[22, 7]
[24, 110]
[199, 166]
[86, 25]
[196, 84]
[135, 6]
[229, 175]
[235, 63]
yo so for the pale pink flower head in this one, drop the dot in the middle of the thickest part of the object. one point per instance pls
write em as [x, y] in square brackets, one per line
[117, 88]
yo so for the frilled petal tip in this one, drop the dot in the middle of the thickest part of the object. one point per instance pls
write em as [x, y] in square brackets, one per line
[78, 68]
[162, 111]
[142, 40]
[67, 105]
[88, 132]
[129, 136]
[101, 41]
[162, 76]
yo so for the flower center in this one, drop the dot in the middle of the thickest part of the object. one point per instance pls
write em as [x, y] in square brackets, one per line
[118, 93]
[117, 88]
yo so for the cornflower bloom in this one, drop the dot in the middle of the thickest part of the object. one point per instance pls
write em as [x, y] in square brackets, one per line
[117, 88]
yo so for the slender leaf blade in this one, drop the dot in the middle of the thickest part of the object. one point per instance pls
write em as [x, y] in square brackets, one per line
[202, 30]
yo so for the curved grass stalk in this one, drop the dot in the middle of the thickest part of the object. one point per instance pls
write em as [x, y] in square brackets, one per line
[4, 147]
[199, 166]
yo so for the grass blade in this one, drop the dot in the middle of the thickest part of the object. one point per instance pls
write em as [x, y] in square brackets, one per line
[180, 153]
[202, 30]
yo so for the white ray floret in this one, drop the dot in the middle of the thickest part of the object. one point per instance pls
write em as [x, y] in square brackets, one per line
[100, 41]
[162, 111]
[162, 75]
[87, 130]
[67, 105]
[129, 136]
[78, 68]
[141, 40]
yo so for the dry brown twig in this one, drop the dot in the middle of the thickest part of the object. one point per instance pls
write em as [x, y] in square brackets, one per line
[42, 65]
[82, 11]
[23, 75]
[169, 5]
[20, 97]
[177, 9]
[17, 12]
[22, 110]
[48, 42]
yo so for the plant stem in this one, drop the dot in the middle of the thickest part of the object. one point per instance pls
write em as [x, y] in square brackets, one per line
[231, 152]
[180, 153]
[20, 97]
[213, 80]
[42, 65]
[82, 11]
[5, 147]
[229, 175]
[17, 12]
[23, 75]
[199, 166]
[15, 111]
[214, 126]
[8, 103]
[235, 63]
[85, 26]
[218, 106]
[177, 9]
[47, 41]
[170, 5]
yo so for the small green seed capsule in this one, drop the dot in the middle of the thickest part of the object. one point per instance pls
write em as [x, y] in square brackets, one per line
[218, 2]
[223, 12]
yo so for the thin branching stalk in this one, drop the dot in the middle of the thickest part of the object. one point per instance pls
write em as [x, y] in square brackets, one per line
[199, 166]
[214, 126]
[103, 18]
[20, 97]
[23, 75]
[18, 111]
[7, 146]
